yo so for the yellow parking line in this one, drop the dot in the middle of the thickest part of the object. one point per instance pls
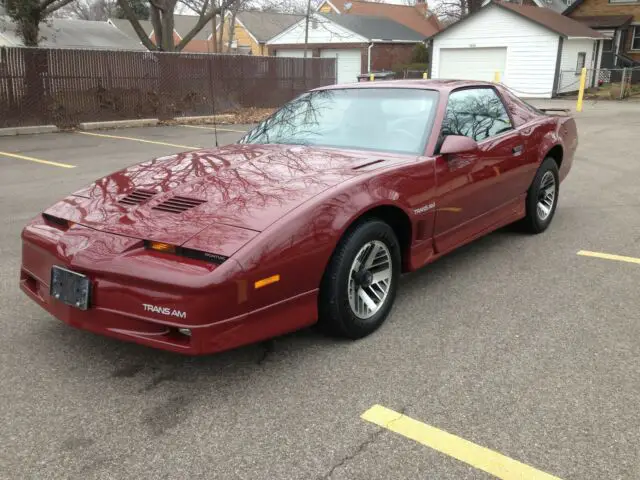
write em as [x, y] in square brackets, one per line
[479, 457]
[609, 256]
[37, 160]
[118, 137]
[216, 128]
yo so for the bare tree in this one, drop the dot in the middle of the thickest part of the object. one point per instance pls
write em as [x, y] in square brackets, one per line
[162, 19]
[100, 10]
[453, 10]
[28, 14]
[281, 6]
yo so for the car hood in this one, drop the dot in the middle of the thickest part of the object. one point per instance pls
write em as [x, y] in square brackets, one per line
[171, 199]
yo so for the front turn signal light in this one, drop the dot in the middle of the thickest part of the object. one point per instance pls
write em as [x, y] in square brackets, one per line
[267, 281]
[161, 247]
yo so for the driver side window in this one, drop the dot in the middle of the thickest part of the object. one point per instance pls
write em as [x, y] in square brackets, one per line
[477, 113]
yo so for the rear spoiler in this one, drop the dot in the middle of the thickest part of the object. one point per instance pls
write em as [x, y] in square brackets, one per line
[566, 111]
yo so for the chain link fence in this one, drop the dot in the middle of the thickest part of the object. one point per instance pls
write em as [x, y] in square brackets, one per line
[67, 87]
[619, 79]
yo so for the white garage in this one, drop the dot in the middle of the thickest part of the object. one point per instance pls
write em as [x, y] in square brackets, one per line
[291, 53]
[537, 52]
[472, 63]
[348, 64]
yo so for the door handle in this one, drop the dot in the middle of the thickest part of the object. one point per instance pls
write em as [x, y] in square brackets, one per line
[517, 150]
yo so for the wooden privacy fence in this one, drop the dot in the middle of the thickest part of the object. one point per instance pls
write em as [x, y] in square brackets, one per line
[67, 87]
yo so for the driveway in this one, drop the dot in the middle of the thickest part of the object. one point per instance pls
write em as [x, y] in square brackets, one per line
[516, 347]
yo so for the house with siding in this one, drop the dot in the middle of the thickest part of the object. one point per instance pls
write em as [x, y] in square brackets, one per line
[417, 17]
[252, 30]
[201, 43]
[619, 22]
[359, 43]
[538, 52]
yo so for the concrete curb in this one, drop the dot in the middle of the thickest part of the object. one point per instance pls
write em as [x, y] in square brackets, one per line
[7, 132]
[139, 122]
[205, 119]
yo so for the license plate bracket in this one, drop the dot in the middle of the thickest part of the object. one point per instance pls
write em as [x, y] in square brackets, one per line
[70, 288]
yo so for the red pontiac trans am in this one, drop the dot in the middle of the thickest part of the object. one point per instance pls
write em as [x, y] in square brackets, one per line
[312, 216]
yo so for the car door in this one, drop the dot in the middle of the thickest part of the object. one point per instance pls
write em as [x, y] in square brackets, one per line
[474, 189]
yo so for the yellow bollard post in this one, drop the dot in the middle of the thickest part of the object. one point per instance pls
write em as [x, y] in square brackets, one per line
[583, 80]
[425, 75]
[371, 77]
[496, 77]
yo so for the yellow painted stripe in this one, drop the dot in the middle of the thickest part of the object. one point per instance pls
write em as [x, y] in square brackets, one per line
[609, 256]
[479, 457]
[220, 129]
[141, 140]
[37, 160]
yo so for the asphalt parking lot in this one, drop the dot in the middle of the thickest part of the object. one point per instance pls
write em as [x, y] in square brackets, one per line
[515, 343]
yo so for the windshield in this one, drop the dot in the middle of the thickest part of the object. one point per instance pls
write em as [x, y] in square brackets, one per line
[387, 119]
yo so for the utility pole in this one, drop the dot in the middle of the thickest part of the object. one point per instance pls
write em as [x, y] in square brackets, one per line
[306, 28]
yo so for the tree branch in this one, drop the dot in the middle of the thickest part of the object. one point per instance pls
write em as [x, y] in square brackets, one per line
[135, 23]
[55, 6]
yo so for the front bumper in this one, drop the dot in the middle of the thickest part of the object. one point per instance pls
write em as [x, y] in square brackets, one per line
[218, 314]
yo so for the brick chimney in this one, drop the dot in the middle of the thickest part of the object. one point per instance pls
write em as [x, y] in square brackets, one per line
[423, 7]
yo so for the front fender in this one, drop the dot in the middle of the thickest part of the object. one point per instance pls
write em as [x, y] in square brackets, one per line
[299, 246]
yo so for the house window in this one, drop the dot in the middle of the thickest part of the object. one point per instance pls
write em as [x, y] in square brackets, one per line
[635, 39]
[607, 45]
[582, 60]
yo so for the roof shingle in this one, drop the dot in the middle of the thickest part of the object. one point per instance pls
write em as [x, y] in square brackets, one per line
[417, 17]
[266, 25]
[554, 21]
[72, 33]
[375, 28]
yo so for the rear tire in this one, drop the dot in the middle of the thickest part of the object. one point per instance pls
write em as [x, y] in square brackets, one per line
[542, 197]
[359, 286]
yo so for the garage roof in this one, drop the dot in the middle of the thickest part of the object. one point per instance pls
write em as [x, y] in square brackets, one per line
[375, 28]
[72, 33]
[416, 17]
[555, 22]
[544, 17]
[266, 25]
[605, 21]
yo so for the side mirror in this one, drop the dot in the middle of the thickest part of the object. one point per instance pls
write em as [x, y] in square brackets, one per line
[457, 144]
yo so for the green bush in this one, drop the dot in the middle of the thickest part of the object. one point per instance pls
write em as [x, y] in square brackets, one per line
[420, 54]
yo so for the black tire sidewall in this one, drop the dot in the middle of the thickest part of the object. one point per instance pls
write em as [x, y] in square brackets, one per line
[335, 309]
[536, 224]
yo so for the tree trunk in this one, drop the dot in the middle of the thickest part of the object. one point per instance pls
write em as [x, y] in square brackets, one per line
[232, 27]
[30, 28]
[156, 22]
[214, 35]
[221, 37]
[168, 44]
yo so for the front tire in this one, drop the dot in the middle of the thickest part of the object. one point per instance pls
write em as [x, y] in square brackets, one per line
[542, 197]
[359, 286]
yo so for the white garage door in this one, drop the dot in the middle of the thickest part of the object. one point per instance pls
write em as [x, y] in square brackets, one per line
[348, 64]
[292, 53]
[472, 63]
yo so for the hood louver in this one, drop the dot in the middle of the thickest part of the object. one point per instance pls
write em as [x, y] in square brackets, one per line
[178, 204]
[136, 197]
